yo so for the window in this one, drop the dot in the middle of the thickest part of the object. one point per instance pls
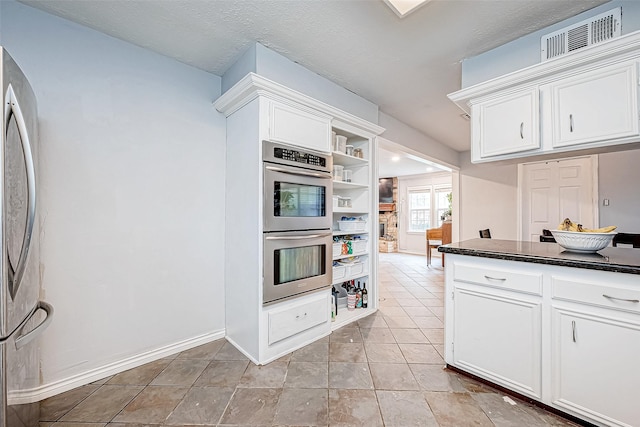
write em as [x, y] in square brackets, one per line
[426, 207]
[419, 209]
[441, 203]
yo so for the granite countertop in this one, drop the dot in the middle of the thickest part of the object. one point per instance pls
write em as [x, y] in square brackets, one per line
[621, 260]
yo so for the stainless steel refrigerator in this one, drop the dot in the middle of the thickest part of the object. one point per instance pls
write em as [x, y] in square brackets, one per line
[23, 316]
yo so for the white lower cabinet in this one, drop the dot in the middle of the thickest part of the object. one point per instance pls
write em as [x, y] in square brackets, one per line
[574, 345]
[595, 366]
[498, 337]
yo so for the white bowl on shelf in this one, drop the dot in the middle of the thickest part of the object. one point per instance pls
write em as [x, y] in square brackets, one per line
[577, 241]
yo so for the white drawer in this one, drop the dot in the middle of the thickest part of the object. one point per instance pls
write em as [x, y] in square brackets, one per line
[291, 320]
[339, 272]
[616, 297]
[529, 283]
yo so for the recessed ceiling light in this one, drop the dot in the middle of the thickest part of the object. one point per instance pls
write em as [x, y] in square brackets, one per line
[395, 158]
[404, 7]
[429, 169]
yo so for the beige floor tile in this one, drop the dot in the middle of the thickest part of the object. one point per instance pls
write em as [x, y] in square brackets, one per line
[456, 410]
[435, 336]
[53, 408]
[502, 413]
[271, 375]
[153, 405]
[400, 322]
[142, 375]
[373, 321]
[307, 375]
[408, 302]
[436, 378]
[381, 335]
[421, 353]
[350, 375]
[383, 353]
[346, 335]
[405, 408]
[103, 404]
[307, 407]
[222, 373]
[252, 406]
[409, 336]
[432, 302]
[347, 352]
[431, 322]
[353, 408]
[392, 376]
[421, 311]
[314, 352]
[205, 351]
[182, 372]
[392, 311]
[201, 406]
[229, 352]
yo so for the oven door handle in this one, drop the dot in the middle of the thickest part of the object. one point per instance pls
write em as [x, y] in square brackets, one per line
[308, 236]
[299, 172]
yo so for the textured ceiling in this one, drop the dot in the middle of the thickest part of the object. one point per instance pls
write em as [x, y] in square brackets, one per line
[406, 66]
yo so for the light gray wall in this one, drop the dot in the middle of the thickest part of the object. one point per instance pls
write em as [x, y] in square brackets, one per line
[132, 207]
[267, 63]
[488, 199]
[525, 51]
[400, 133]
[244, 65]
[618, 178]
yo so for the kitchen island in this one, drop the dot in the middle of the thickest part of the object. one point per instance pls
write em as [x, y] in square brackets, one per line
[558, 327]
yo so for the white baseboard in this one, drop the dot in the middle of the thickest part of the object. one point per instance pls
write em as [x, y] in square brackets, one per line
[42, 392]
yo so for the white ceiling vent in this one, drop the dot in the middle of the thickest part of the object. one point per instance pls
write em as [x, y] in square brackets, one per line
[591, 31]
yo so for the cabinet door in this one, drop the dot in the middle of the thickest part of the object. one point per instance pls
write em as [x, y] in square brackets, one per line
[595, 106]
[304, 128]
[498, 338]
[506, 124]
[595, 367]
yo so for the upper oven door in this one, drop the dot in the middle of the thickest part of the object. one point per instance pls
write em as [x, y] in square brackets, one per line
[296, 198]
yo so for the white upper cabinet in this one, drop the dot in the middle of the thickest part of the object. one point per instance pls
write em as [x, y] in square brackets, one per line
[595, 106]
[298, 126]
[505, 124]
[587, 99]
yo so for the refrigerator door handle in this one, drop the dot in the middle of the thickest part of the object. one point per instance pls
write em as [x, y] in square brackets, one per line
[13, 109]
[22, 339]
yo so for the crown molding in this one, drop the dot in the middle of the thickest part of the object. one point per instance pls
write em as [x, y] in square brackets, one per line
[616, 50]
[253, 85]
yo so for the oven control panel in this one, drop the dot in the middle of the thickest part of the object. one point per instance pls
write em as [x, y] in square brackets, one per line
[292, 155]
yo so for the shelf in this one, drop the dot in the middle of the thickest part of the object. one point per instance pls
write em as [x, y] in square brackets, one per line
[342, 185]
[347, 233]
[350, 255]
[352, 277]
[344, 160]
[350, 211]
[345, 316]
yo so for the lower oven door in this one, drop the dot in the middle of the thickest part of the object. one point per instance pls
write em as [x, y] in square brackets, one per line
[296, 262]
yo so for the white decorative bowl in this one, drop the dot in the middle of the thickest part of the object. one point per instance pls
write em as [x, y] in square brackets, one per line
[576, 241]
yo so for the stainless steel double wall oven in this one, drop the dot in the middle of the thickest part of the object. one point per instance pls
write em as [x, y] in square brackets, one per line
[297, 221]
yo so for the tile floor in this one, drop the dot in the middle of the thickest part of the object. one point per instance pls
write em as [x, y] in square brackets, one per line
[385, 370]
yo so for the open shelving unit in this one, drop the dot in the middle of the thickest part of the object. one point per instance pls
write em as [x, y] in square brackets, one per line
[360, 191]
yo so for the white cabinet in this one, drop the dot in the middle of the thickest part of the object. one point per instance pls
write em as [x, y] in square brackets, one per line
[596, 345]
[299, 126]
[595, 106]
[595, 365]
[585, 100]
[497, 325]
[505, 123]
[567, 337]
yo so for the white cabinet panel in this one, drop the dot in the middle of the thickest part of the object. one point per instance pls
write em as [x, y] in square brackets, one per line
[290, 320]
[595, 367]
[498, 338]
[595, 106]
[506, 124]
[296, 126]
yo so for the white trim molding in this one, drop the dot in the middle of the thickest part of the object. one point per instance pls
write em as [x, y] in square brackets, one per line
[253, 85]
[42, 392]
